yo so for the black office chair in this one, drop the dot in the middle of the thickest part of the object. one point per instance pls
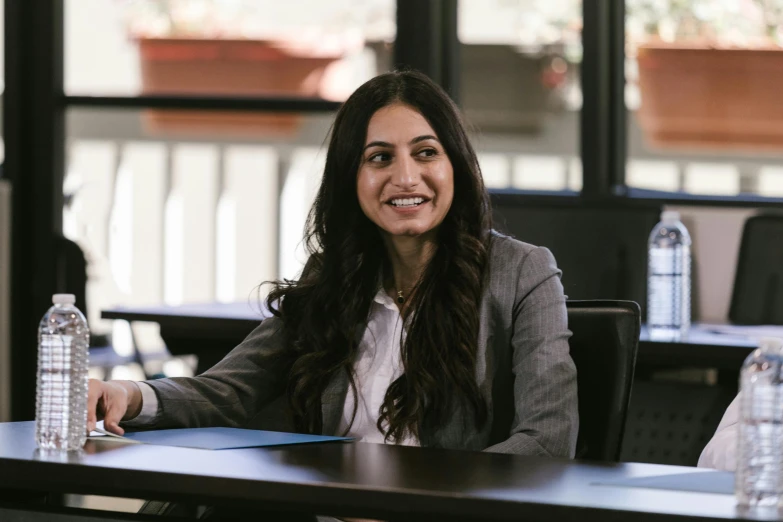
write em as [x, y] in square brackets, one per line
[603, 346]
[670, 422]
[601, 248]
[758, 284]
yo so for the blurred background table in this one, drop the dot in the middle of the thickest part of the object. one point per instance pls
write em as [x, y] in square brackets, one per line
[211, 330]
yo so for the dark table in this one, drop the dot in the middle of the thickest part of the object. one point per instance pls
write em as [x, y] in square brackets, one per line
[707, 346]
[212, 330]
[208, 331]
[347, 479]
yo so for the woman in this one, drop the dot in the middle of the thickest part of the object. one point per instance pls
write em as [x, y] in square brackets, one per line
[721, 451]
[412, 323]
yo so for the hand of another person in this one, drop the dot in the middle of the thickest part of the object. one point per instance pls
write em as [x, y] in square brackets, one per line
[112, 401]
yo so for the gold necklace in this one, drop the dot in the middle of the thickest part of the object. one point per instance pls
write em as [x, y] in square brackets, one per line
[400, 297]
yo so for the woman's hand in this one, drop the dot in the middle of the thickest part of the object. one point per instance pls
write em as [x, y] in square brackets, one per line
[112, 402]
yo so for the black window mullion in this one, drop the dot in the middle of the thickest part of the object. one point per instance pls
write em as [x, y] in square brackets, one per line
[618, 113]
[427, 40]
[34, 133]
[450, 59]
[603, 115]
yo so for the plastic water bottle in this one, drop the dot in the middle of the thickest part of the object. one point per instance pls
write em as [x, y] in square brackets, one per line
[758, 476]
[61, 394]
[669, 279]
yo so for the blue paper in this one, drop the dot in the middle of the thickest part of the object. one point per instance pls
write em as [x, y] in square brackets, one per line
[225, 438]
[721, 482]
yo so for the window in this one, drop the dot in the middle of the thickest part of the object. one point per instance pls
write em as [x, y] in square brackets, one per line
[182, 219]
[704, 111]
[241, 47]
[519, 89]
[180, 205]
[152, 92]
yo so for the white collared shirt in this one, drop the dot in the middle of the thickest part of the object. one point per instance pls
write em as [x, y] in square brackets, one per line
[721, 451]
[378, 365]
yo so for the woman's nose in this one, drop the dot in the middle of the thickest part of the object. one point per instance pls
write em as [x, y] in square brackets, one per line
[406, 174]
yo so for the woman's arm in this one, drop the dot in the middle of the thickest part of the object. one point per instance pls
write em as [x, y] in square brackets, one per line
[721, 451]
[229, 393]
[546, 418]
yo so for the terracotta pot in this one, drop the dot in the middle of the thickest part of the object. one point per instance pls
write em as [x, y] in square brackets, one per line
[712, 98]
[228, 67]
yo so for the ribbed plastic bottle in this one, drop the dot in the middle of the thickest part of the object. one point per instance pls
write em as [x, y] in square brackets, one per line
[61, 392]
[758, 476]
[669, 279]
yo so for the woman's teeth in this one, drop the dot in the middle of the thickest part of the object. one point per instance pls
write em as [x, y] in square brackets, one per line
[407, 202]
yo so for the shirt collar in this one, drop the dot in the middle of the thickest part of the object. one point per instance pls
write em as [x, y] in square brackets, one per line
[384, 299]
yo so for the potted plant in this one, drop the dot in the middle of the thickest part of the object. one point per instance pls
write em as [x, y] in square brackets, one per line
[232, 47]
[709, 72]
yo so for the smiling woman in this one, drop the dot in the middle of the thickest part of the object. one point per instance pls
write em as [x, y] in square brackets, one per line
[405, 186]
[472, 351]
[397, 139]
[405, 183]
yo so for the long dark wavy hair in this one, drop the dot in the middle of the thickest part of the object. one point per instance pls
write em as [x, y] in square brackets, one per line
[325, 312]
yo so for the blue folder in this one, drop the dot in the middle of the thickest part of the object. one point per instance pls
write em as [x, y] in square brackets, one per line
[720, 482]
[226, 438]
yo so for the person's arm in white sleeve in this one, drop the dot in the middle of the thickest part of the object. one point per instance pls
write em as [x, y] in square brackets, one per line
[721, 451]
[149, 407]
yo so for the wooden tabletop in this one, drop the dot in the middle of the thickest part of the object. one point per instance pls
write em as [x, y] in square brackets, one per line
[360, 479]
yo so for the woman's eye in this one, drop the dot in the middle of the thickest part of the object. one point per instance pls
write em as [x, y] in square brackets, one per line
[428, 153]
[380, 157]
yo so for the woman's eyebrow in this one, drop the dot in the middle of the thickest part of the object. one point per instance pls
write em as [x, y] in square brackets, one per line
[378, 144]
[387, 145]
[423, 138]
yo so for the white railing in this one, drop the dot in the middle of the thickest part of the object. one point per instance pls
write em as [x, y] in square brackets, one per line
[184, 222]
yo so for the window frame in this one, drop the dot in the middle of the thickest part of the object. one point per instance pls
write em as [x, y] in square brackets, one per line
[34, 130]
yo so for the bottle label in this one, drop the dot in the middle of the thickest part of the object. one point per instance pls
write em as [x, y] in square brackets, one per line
[669, 261]
[669, 287]
[56, 341]
[62, 386]
[55, 352]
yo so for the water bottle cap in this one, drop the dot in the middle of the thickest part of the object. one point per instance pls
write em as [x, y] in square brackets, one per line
[670, 216]
[67, 299]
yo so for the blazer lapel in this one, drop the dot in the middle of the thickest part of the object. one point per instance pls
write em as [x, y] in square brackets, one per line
[332, 402]
[459, 431]
[333, 397]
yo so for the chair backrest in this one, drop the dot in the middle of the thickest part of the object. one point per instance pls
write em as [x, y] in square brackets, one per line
[601, 248]
[72, 271]
[603, 346]
[757, 297]
[670, 422]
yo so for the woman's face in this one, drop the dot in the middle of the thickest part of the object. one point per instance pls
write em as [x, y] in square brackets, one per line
[406, 182]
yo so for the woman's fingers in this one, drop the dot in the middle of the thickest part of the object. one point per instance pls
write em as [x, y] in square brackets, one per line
[115, 400]
[94, 393]
[112, 420]
[107, 401]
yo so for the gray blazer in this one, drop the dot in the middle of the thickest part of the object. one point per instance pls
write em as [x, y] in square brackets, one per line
[523, 369]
